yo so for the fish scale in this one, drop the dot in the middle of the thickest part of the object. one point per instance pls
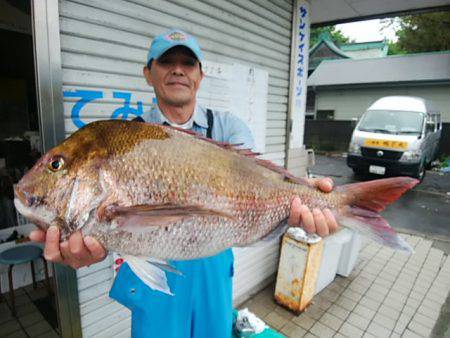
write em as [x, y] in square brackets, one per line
[176, 183]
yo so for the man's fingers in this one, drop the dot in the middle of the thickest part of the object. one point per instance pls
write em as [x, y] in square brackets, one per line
[325, 184]
[51, 250]
[77, 248]
[95, 248]
[307, 219]
[75, 252]
[294, 215]
[331, 220]
[65, 251]
[67, 256]
[320, 223]
[37, 236]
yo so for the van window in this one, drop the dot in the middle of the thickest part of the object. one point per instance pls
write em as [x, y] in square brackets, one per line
[437, 122]
[431, 124]
[391, 122]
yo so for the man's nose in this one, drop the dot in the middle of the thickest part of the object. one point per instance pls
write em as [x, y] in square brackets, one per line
[178, 69]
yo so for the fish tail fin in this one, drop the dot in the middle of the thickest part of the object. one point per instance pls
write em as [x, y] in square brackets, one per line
[150, 274]
[365, 200]
[377, 194]
[373, 226]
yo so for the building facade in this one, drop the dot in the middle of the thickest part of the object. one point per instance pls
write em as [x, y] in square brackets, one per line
[344, 89]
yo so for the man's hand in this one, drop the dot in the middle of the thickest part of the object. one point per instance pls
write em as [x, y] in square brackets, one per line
[317, 221]
[76, 252]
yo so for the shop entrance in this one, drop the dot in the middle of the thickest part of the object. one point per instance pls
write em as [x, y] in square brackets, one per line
[30, 310]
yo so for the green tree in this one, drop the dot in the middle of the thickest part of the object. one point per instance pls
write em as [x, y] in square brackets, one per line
[394, 49]
[427, 32]
[335, 34]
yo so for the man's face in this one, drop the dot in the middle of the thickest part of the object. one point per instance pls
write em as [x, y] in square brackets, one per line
[175, 76]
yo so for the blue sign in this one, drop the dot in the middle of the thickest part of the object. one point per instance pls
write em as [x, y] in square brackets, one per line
[301, 53]
[126, 109]
[85, 97]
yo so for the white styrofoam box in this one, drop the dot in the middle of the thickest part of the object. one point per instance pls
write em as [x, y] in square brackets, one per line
[349, 254]
[339, 255]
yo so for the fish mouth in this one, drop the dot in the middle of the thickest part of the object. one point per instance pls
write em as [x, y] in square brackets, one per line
[20, 195]
[37, 215]
[27, 199]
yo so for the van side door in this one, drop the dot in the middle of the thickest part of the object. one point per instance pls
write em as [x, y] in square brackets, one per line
[436, 135]
[430, 138]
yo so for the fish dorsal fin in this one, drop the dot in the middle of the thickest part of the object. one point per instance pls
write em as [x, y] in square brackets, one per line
[283, 172]
[249, 154]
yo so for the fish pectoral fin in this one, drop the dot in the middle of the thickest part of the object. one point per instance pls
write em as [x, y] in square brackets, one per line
[163, 265]
[140, 218]
[150, 274]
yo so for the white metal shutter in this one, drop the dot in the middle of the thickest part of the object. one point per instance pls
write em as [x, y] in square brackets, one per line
[104, 46]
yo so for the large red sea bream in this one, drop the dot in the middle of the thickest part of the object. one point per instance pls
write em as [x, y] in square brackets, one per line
[142, 190]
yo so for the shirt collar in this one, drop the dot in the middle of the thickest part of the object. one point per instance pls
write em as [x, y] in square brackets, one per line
[200, 118]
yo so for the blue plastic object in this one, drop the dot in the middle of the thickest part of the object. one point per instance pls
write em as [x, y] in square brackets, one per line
[201, 305]
[446, 169]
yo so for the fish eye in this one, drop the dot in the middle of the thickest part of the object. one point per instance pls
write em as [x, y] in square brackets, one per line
[56, 164]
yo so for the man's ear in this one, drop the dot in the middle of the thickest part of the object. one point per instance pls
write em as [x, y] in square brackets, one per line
[148, 75]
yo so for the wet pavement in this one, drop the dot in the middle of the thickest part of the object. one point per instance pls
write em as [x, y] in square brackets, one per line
[388, 294]
[425, 210]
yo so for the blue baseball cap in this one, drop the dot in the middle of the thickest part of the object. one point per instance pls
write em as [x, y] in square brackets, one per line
[175, 37]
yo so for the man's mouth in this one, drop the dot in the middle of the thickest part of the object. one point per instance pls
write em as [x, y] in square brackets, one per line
[177, 83]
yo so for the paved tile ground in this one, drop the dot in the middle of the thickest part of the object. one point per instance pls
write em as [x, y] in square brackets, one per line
[388, 294]
[29, 321]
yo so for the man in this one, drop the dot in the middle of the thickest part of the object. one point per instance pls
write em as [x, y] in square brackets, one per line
[202, 305]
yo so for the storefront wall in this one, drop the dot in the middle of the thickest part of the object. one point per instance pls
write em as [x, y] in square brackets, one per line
[103, 49]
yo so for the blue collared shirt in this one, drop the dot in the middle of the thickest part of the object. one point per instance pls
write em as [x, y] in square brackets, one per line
[202, 305]
[226, 128]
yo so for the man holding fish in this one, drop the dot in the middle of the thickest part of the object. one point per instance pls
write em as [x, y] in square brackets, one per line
[202, 301]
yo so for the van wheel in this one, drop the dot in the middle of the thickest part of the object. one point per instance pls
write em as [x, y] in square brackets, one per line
[420, 174]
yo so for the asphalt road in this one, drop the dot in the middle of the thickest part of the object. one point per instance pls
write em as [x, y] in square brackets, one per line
[424, 210]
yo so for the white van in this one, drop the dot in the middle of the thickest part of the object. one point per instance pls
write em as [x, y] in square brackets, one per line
[397, 135]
